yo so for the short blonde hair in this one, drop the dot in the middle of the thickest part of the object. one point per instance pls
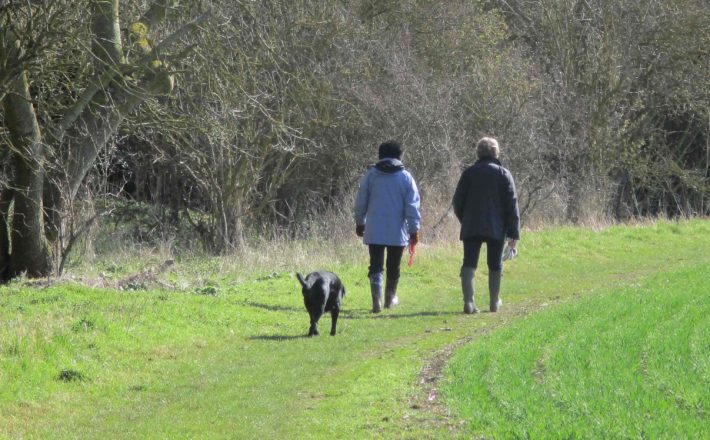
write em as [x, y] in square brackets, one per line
[487, 147]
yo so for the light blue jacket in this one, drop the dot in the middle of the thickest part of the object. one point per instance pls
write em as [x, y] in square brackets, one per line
[387, 203]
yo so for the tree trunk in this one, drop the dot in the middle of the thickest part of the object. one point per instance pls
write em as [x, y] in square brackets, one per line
[30, 252]
[5, 201]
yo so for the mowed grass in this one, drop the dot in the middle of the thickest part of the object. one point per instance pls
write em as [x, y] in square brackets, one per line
[629, 363]
[228, 358]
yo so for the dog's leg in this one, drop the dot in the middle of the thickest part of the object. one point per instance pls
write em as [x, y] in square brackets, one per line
[313, 330]
[334, 320]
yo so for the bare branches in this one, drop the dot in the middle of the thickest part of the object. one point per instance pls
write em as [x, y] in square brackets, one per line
[255, 113]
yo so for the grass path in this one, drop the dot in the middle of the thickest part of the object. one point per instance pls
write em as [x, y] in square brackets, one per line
[231, 362]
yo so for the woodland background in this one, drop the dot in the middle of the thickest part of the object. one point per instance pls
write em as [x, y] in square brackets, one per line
[219, 122]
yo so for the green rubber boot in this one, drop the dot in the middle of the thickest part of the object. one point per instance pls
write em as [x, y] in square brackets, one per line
[469, 304]
[494, 277]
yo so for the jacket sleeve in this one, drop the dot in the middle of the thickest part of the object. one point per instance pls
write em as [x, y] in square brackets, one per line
[512, 216]
[361, 200]
[412, 204]
[460, 197]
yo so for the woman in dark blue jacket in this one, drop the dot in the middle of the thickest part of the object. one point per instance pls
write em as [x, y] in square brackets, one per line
[387, 217]
[486, 204]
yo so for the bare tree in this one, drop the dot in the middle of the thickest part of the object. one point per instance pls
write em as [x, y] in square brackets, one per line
[51, 154]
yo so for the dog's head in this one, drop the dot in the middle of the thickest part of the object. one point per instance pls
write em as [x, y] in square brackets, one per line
[308, 284]
[304, 285]
[312, 286]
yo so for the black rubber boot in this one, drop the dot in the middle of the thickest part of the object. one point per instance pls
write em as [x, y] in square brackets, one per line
[391, 298]
[376, 291]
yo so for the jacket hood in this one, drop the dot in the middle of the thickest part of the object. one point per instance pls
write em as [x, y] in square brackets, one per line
[389, 165]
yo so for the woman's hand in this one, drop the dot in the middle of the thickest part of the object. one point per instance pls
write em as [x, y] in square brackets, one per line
[414, 238]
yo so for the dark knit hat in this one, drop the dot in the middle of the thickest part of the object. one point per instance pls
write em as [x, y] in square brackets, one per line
[390, 149]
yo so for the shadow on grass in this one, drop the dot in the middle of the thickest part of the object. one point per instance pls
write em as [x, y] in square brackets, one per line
[273, 308]
[278, 338]
[350, 314]
[411, 315]
[346, 314]
[367, 314]
[354, 313]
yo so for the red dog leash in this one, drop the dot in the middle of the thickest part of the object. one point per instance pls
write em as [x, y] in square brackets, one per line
[411, 253]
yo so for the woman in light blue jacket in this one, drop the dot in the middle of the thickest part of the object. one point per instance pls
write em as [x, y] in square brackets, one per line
[387, 217]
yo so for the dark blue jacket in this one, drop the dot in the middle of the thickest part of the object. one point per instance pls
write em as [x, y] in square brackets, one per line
[485, 202]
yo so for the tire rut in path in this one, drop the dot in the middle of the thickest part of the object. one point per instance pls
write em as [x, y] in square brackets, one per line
[427, 409]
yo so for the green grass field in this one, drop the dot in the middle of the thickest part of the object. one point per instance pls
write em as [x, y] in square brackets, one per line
[629, 363]
[230, 360]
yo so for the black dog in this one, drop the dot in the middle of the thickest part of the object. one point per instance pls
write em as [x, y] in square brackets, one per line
[322, 292]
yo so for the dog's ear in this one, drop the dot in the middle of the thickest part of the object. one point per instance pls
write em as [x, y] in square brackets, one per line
[301, 280]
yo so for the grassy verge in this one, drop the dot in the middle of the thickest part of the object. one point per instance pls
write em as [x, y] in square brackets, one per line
[228, 359]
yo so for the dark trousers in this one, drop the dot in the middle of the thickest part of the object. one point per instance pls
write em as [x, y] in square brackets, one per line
[377, 260]
[494, 250]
